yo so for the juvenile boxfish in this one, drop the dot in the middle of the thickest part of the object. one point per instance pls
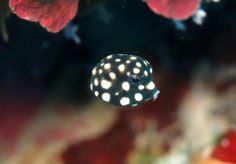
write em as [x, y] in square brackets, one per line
[123, 80]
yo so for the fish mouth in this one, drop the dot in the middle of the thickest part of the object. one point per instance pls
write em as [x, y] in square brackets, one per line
[157, 92]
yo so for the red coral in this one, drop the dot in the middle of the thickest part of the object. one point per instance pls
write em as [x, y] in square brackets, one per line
[175, 9]
[52, 14]
[226, 151]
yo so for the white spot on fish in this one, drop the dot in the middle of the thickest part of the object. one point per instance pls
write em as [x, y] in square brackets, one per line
[125, 85]
[128, 61]
[138, 64]
[95, 82]
[141, 87]
[105, 84]
[124, 101]
[138, 96]
[112, 75]
[136, 70]
[121, 67]
[145, 73]
[150, 86]
[150, 70]
[109, 57]
[96, 93]
[107, 66]
[100, 71]
[133, 58]
[94, 71]
[106, 97]
[91, 86]
[117, 60]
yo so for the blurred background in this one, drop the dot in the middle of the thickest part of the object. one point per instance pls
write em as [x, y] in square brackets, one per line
[49, 116]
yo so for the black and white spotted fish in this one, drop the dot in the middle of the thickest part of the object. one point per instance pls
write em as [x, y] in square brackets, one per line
[123, 80]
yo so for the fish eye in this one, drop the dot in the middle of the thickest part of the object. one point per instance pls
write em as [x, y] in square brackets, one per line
[135, 79]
